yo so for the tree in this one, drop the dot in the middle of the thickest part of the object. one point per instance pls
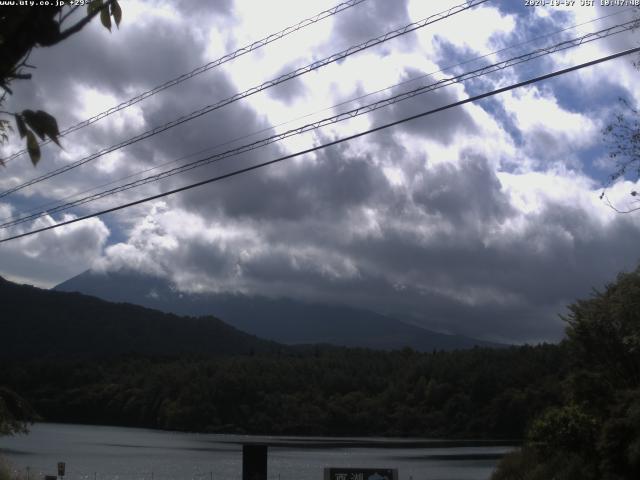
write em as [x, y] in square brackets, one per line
[595, 433]
[15, 413]
[23, 28]
[622, 136]
[604, 331]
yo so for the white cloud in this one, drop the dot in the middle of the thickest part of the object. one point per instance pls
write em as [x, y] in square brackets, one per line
[53, 256]
[473, 29]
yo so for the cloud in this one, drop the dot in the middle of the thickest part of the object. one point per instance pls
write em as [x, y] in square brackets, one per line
[482, 220]
[372, 19]
[44, 259]
[455, 248]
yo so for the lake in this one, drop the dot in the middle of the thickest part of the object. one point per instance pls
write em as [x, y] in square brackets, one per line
[116, 453]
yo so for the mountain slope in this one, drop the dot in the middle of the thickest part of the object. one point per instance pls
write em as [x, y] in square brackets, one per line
[282, 320]
[38, 323]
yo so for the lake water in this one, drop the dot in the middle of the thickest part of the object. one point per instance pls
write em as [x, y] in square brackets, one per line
[115, 453]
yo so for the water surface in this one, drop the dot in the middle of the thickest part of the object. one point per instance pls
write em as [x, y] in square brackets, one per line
[116, 453]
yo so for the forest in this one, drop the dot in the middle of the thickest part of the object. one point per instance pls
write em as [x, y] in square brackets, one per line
[316, 391]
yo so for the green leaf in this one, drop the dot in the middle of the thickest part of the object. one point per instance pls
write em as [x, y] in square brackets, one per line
[105, 18]
[49, 125]
[42, 124]
[33, 148]
[116, 11]
[33, 121]
[22, 128]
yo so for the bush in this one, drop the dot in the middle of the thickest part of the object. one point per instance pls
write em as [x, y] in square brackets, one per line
[7, 472]
[530, 464]
[566, 428]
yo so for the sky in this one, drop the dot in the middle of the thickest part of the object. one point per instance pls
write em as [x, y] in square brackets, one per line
[483, 220]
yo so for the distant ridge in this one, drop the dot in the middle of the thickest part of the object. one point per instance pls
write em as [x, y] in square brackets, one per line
[282, 320]
[38, 323]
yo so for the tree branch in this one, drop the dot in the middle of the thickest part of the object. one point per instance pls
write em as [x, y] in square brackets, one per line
[66, 15]
[614, 208]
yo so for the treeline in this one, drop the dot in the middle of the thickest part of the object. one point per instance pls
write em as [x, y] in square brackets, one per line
[594, 434]
[491, 393]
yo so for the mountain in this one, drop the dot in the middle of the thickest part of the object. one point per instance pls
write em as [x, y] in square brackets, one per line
[282, 320]
[38, 323]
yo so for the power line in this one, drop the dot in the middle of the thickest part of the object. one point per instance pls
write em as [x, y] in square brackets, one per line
[197, 71]
[271, 83]
[40, 207]
[572, 43]
[329, 144]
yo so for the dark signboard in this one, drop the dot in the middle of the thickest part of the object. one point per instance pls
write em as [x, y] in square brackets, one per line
[338, 473]
[254, 462]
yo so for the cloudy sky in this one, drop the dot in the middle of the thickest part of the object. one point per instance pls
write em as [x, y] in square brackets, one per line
[483, 220]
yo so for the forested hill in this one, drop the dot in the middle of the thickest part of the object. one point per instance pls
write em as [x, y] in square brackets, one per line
[79, 359]
[38, 323]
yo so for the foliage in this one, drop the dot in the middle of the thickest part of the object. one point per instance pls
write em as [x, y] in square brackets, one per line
[526, 464]
[24, 27]
[42, 124]
[596, 430]
[619, 441]
[568, 428]
[15, 413]
[623, 137]
[604, 331]
[476, 393]
[5, 470]
[8, 472]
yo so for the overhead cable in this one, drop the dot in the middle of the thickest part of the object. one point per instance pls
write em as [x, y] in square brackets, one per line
[271, 83]
[44, 206]
[204, 68]
[328, 144]
[362, 110]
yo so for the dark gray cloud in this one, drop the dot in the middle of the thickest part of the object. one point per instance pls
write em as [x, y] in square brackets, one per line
[139, 56]
[469, 193]
[441, 126]
[200, 8]
[289, 91]
[369, 20]
[327, 186]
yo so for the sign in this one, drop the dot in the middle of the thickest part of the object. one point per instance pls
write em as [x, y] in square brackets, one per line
[360, 473]
[254, 462]
[61, 466]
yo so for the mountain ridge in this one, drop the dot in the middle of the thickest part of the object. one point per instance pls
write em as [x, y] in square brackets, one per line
[283, 320]
[38, 323]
